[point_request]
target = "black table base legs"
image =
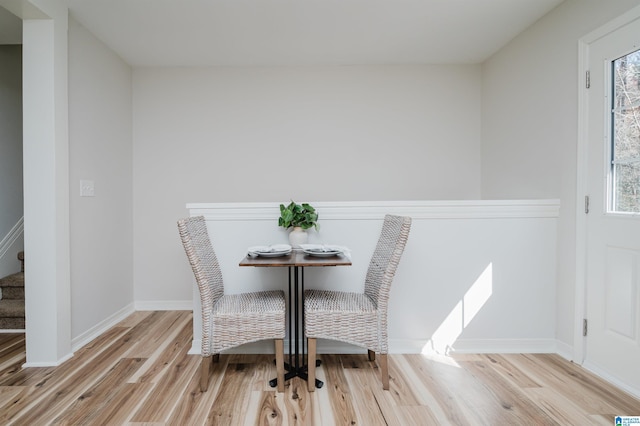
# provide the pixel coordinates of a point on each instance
(296, 367)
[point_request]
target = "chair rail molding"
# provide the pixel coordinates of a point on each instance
(476, 275)
(374, 210)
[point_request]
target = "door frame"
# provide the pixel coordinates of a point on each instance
(580, 300)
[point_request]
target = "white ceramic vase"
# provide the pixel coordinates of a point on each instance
(298, 236)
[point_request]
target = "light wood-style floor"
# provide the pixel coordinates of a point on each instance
(139, 372)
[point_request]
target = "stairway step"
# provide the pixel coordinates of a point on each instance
(12, 314)
(13, 280)
(12, 324)
(13, 293)
(11, 308)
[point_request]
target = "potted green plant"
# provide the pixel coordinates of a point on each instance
(300, 217)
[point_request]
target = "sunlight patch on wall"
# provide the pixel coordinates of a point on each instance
(462, 314)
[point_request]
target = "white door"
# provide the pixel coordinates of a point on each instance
(613, 221)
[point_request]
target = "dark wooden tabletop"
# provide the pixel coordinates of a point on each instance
(295, 258)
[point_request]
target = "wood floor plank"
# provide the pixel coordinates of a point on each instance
(400, 388)
(416, 416)
(157, 336)
(366, 404)
(124, 403)
(503, 367)
(103, 354)
(40, 376)
(230, 405)
(161, 358)
(557, 406)
(11, 356)
(167, 392)
(516, 407)
(589, 402)
(338, 388)
(602, 420)
(104, 383)
(36, 376)
(17, 405)
(592, 384)
(396, 410)
(355, 361)
(9, 393)
(9, 341)
(84, 409)
(264, 410)
(137, 336)
(388, 405)
(7, 338)
(426, 387)
(321, 409)
(134, 319)
(195, 405)
(12, 362)
(298, 403)
(264, 371)
(98, 344)
(60, 395)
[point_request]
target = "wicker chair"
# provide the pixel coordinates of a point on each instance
(230, 320)
(359, 318)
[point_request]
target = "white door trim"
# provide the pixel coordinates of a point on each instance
(581, 179)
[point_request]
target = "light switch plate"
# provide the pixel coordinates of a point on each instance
(87, 188)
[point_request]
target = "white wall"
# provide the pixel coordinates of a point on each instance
(100, 149)
(529, 124)
(475, 276)
(11, 200)
(46, 179)
(307, 133)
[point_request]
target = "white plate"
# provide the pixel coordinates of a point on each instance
(270, 251)
(321, 252)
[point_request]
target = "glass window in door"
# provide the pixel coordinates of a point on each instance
(625, 134)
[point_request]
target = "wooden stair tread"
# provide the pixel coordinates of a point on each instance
(13, 280)
(11, 308)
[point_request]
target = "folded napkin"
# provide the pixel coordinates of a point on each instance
(326, 247)
(275, 248)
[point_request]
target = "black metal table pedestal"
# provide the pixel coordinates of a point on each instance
(296, 367)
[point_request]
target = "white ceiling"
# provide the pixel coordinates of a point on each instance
(306, 32)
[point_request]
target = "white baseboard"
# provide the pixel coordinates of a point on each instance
(564, 350)
(164, 305)
(11, 331)
(196, 347)
(101, 327)
(611, 379)
(49, 364)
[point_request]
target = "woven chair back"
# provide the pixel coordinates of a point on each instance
(385, 259)
(203, 260)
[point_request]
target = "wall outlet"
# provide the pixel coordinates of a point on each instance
(87, 188)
